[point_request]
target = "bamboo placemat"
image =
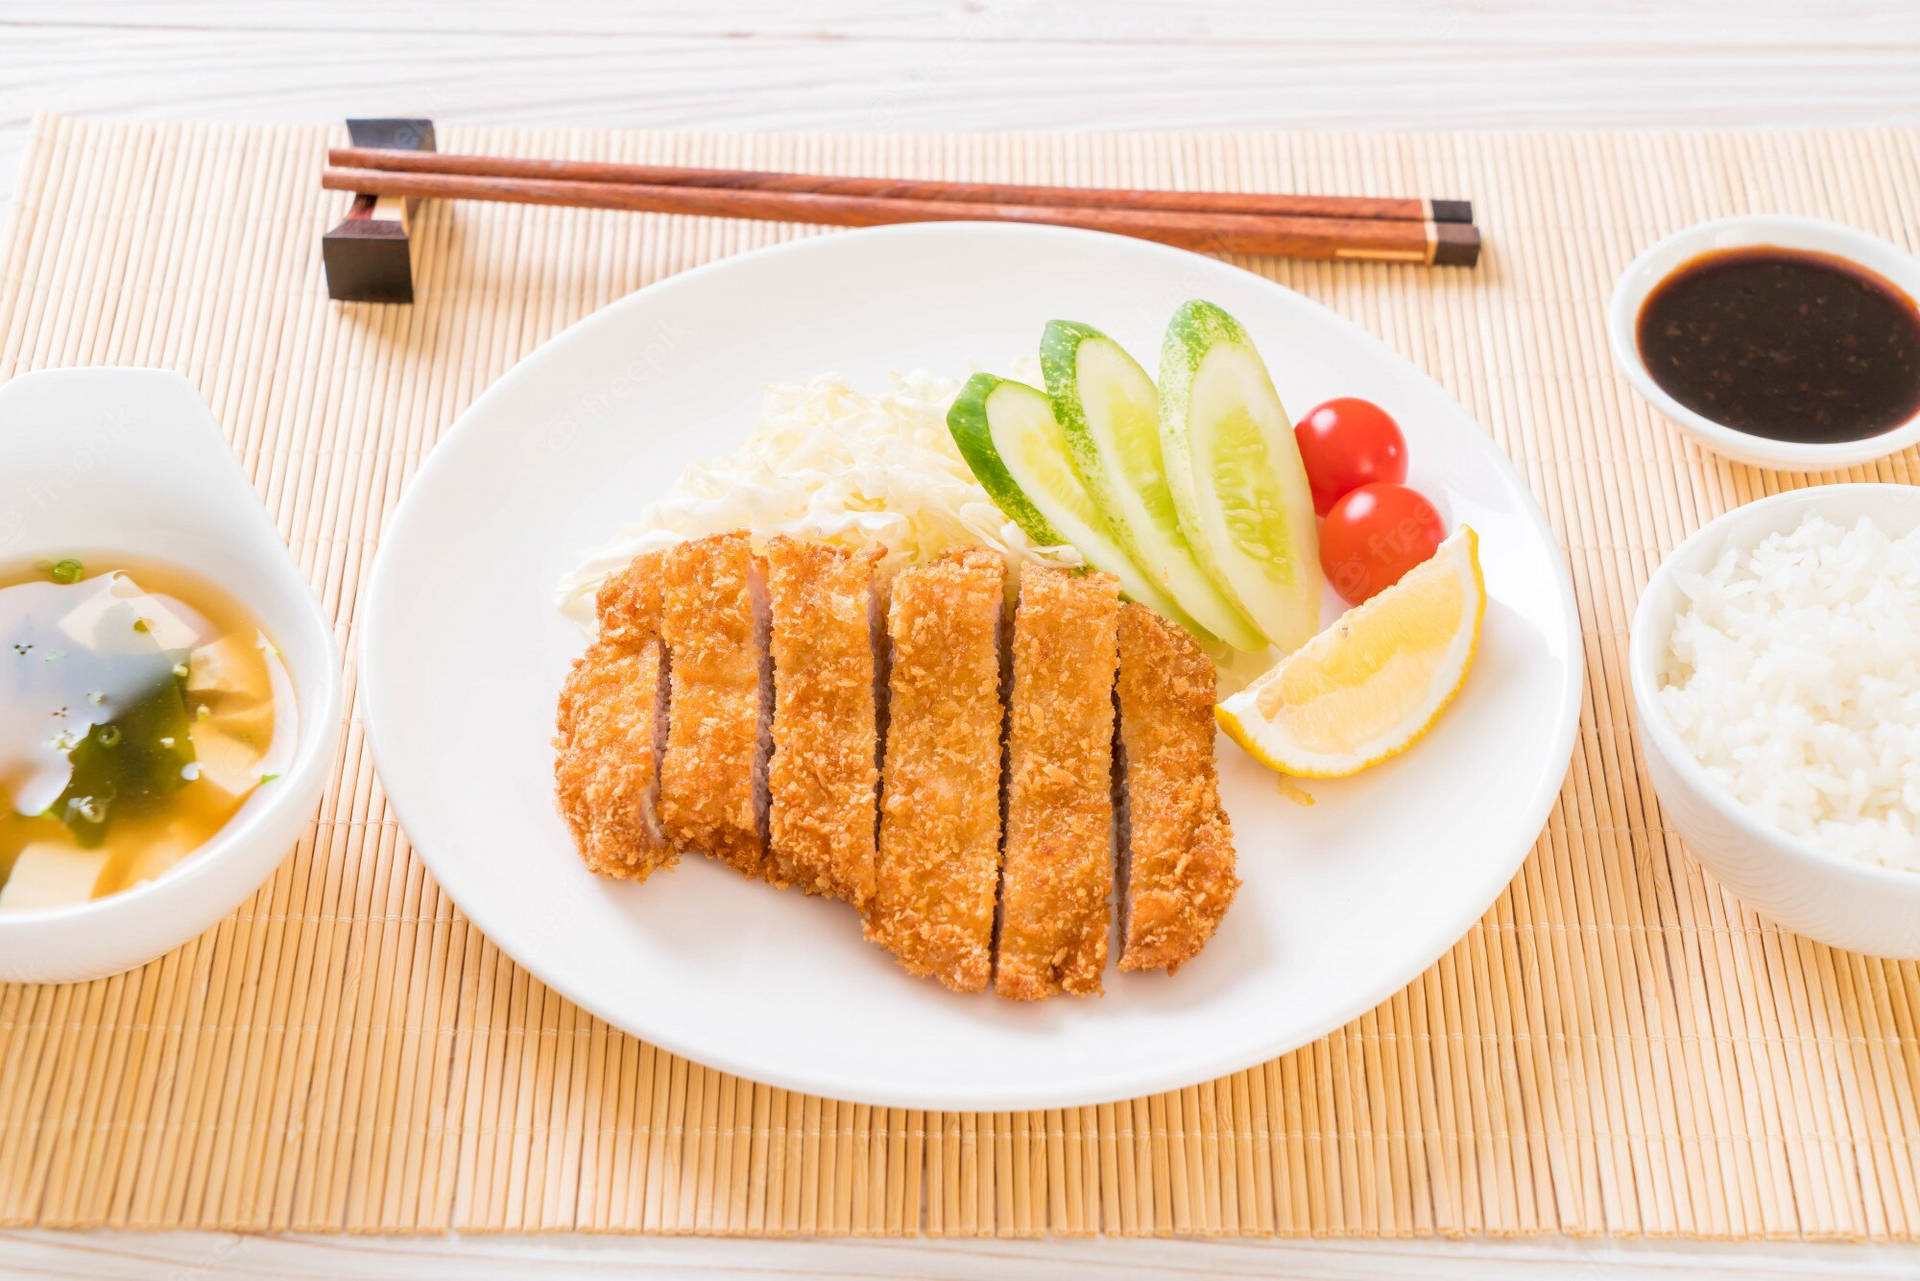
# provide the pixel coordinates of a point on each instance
(1616, 1047)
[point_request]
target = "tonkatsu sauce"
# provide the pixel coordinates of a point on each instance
(1784, 343)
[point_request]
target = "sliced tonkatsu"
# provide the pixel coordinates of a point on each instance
(978, 783)
(611, 730)
(1057, 880)
(1177, 862)
(822, 781)
(628, 603)
(713, 781)
(939, 856)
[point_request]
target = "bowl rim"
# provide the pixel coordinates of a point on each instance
(1657, 728)
(1881, 258)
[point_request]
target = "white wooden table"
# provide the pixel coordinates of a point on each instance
(953, 64)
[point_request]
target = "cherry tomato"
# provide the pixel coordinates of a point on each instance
(1347, 443)
(1374, 535)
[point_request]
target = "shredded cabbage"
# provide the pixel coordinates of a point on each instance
(829, 462)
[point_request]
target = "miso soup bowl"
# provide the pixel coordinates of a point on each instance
(105, 461)
(1895, 266)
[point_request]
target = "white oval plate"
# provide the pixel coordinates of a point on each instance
(462, 653)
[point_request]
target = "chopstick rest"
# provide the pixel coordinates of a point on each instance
(368, 257)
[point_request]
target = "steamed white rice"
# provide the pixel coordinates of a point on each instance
(1793, 674)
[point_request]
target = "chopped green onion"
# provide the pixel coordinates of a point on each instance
(67, 571)
(107, 735)
(268, 778)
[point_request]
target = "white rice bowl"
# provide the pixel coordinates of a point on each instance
(1793, 676)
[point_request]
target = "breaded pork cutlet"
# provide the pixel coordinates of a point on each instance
(939, 858)
(823, 779)
(714, 621)
(1057, 876)
(1177, 855)
(628, 603)
(611, 727)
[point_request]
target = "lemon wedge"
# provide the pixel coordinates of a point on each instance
(1370, 685)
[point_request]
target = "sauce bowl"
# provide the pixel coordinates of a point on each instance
(1858, 906)
(130, 460)
(1639, 280)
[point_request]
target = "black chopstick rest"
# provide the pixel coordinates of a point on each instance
(368, 257)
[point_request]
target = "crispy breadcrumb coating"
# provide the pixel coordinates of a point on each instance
(1180, 878)
(1056, 882)
(628, 602)
(637, 780)
(824, 776)
(712, 781)
(607, 749)
(939, 858)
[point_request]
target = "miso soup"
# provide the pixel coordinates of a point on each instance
(139, 708)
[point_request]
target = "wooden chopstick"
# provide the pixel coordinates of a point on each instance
(1370, 239)
(1402, 209)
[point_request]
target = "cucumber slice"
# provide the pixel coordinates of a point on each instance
(1235, 473)
(1109, 410)
(1007, 433)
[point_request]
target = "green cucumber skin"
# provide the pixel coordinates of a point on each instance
(1196, 328)
(1192, 331)
(967, 422)
(1060, 364)
(1060, 346)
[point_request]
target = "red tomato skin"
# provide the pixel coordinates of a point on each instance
(1374, 535)
(1348, 442)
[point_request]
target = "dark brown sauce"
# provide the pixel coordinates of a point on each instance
(1785, 344)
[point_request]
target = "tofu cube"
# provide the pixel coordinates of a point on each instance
(225, 667)
(105, 619)
(102, 620)
(154, 859)
(250, 724)
(49, 875)
(167, 627)
(224, 762)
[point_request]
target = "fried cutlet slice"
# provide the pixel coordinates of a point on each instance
(611, 729)
(1177, 858)
(939, 858)
(1056, 880)
(824, 774)
(628, 603)
(713, 782)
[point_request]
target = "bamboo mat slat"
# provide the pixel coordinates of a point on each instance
(1617, 1046)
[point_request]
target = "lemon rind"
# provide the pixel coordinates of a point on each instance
(1235, 726)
